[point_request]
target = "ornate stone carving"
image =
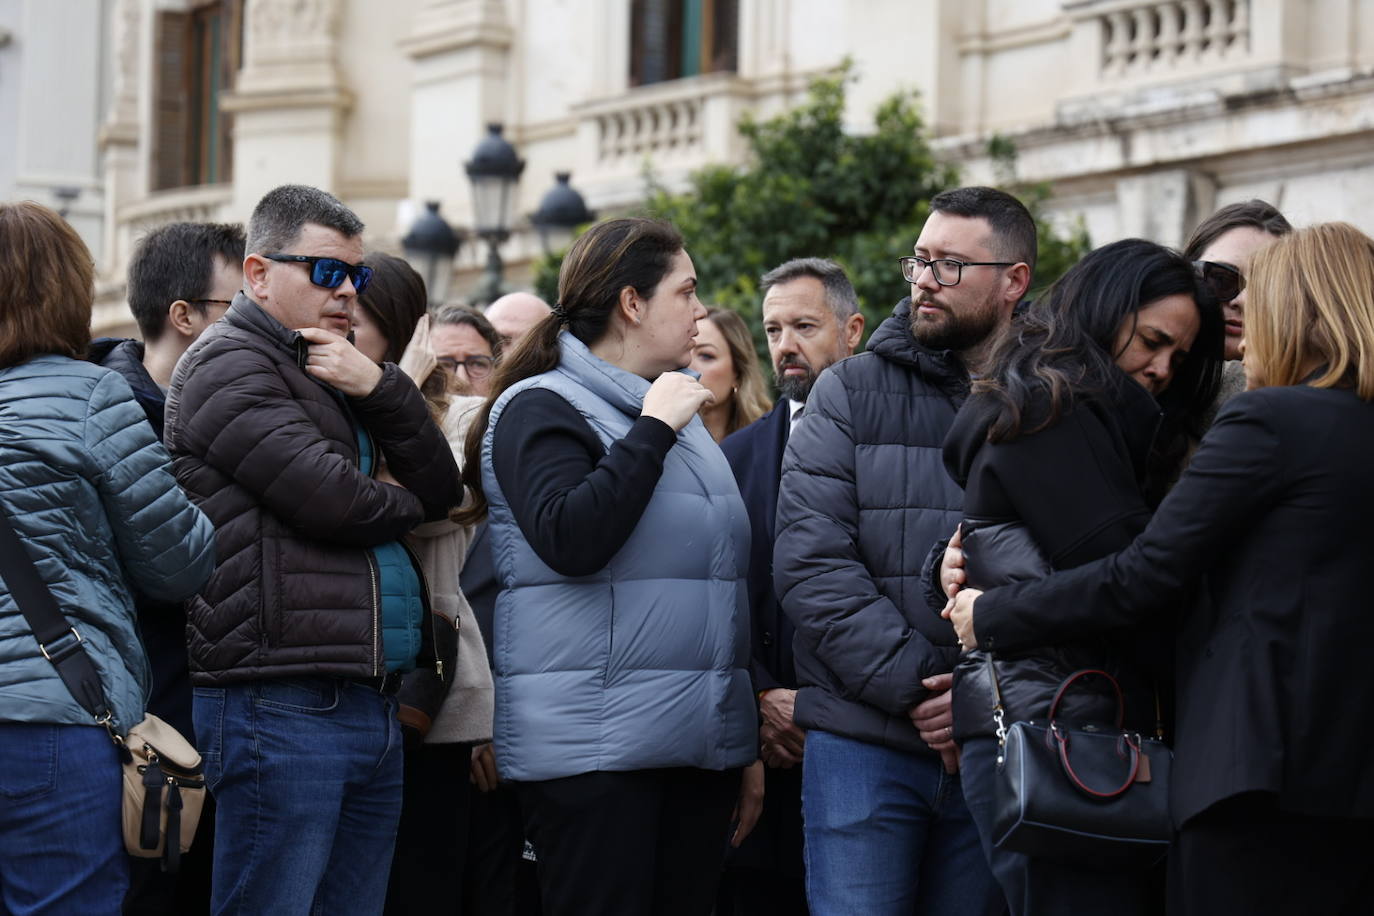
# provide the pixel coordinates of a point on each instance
(291, 30)
(121, 121)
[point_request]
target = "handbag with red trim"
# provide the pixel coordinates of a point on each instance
(1083, 795)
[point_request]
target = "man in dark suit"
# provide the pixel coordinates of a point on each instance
(811, 319)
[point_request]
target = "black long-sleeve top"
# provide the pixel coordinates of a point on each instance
(576, 501)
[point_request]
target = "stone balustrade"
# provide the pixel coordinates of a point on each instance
(1140, 39)
(205, 203)
(667, 128)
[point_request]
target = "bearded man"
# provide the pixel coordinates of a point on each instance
(864, 496)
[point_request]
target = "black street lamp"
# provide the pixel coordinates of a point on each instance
(494, 171)
(560, 212)
(430, 247)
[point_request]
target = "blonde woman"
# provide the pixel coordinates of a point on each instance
(1273, 783)
(724, 356)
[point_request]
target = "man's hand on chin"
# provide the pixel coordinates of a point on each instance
(335, 361)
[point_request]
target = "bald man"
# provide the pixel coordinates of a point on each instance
(514, 314)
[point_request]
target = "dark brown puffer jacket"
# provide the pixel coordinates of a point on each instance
(269, 454)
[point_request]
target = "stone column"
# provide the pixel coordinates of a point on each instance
(289, 99)
(119, 134)
(460, 51)
(1165, 205)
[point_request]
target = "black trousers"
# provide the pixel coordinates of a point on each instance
(1244, 855)
(627, 844)
(432, 838)
(497, 879)
(766, 876)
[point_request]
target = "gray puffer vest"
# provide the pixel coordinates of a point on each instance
(643, 664)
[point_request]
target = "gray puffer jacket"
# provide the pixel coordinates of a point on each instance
(864, 494)
(88, 490)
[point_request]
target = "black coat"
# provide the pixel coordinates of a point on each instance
(755, 455)
(1054, 499)
(863, 496)
(1276, 692)
(161, 624)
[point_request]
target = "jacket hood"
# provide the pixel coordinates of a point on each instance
(893, 342)
(125, 356)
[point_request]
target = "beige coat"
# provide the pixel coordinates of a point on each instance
(442, 547)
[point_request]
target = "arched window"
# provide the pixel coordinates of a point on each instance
(670, 39)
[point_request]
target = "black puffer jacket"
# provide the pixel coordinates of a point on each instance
(863, 496)
(161, 624)
(270, 455)
(1047, 500)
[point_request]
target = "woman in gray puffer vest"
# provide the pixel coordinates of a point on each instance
(88, 491)
(624, 713)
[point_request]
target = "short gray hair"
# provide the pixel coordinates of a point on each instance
(278, 218)
(456, 314)
(839, 292)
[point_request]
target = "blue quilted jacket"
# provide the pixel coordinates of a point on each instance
(88, 489)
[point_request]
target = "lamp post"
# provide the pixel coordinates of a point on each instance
(560, 212)
(430, 247)
(494, 171)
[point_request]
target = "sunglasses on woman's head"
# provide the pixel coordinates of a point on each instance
(1223, 280)
(328, 272)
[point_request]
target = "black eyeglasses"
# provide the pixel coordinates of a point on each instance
(947, 271)
(477, 367)
(190, 301)
(328, 272)
(1225, 281)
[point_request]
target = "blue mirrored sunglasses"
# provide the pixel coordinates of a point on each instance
(328, 272)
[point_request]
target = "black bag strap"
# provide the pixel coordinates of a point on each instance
(58, 640)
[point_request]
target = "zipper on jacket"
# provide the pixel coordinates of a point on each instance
(376, 615)
(426, 603)
(377, 662)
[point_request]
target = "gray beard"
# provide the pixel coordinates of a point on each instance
(796, 388)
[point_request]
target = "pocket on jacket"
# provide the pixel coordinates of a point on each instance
(301, 695)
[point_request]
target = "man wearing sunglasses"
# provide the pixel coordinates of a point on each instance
(277, 426)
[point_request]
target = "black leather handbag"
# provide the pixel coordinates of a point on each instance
(1085, 794)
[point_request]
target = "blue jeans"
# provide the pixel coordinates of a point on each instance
(887, 833)
(306, 774)
(1035, 887)
(61, 841)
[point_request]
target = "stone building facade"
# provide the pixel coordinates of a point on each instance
(1142, 114)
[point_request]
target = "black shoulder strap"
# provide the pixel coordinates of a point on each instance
(58, 640)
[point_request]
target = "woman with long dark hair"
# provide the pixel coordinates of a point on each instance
(624, 714)
(1273, 777)
(1086, 406)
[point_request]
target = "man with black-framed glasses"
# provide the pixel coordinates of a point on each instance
(181, 279)
(277, 426)
(864, 498)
